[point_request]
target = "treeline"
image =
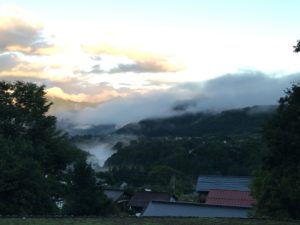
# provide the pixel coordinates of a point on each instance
(231, 122)
(41, 172)
(157, 162)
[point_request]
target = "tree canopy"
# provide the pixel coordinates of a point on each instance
(297, 47)
(277, 184)
(35, 156)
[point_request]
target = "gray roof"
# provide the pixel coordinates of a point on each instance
(206, 183)
(141, 199)
(180, 209)
(114, 195)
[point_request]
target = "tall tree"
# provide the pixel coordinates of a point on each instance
(277, 186)
(34, 155)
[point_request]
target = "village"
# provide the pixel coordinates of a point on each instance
(218, 196)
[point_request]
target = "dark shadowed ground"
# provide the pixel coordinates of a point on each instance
(141, 221)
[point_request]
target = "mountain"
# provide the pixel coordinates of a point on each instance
(231, 122)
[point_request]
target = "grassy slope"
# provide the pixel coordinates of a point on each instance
(144, 221)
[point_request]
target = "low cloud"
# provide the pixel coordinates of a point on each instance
(225, 92)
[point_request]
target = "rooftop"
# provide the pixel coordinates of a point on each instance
(230, 198)
(206, 183)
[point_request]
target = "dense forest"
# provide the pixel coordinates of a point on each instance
(181, 148)
(227, 123)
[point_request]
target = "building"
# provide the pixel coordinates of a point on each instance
(232, 183)
(140, 200)
(230, 198)
(183, 209)
(120, 197)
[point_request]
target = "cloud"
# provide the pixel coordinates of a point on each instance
(147, 66)
(225, 92)
(8, 61)
(142, 62)
(243, 89)
(123, 110)
(77, 93)
(20, 33)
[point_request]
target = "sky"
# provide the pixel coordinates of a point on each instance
(103, 58)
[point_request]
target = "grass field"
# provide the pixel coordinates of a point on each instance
(141, 221)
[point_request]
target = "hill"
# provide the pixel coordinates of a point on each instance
(227, 123)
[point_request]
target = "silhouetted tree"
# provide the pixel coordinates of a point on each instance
(34, 155)
(297, 47)
(277, 186)
(84, 197)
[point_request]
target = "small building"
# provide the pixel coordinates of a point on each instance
(120, 197)
(183, 209)
(230, 198)
(206, 183)
(140, 200)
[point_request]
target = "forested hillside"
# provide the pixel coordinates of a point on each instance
(183, 147)
(231, 122)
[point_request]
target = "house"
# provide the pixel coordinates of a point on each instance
(230, 198)
(183, 209)
(233, 183)
(120, 197)
(140, 200)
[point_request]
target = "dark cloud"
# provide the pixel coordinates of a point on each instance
(19, 35)
(8, 61)
(184, 105)
(243, 89)
(96, 58)
(96, 70)
(143, 67)
(136, 67)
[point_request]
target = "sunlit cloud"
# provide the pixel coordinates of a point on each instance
(20, 32)
(142, 62)
(101, 94)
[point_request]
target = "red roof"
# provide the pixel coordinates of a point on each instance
(230, 198)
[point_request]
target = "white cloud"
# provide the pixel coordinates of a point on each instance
(226, 92)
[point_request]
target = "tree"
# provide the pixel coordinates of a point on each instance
(34, 155)
(23, 108)
(297, 47)
(84, 197)
(277, 185)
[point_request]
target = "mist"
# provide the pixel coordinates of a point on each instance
(229, 91)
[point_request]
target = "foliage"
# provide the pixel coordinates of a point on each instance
(155, 163)
(84, 197)
(297, 47)
(277, 185)
(34, 155)
(227, 123)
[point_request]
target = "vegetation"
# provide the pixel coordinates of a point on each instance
(173, 164)
(227, 123)
(34, 155)
(277, 185)
(84, 196)
(297, 47)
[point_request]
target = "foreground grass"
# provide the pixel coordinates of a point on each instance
(141, 221)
